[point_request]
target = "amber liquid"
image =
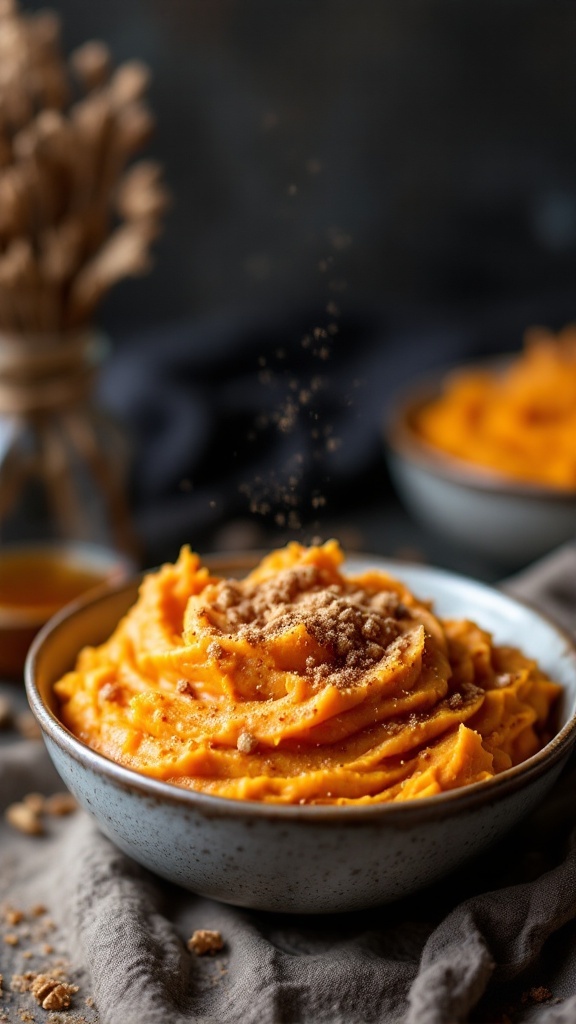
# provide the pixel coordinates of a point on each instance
(35, 582)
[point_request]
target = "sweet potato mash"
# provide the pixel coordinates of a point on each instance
(521, 422)
(301, 685)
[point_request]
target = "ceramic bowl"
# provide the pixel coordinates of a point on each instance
(486, 512)
(303, 859)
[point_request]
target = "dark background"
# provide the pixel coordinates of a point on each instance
(413, 162)
(437, 136)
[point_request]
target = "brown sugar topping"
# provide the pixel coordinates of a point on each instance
(352, 627)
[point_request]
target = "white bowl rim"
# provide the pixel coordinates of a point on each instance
(407, 813)
(403, 440)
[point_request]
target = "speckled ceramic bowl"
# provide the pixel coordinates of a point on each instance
(484, 511)
(303, 859)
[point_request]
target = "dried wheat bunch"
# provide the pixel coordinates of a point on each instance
(74, 217)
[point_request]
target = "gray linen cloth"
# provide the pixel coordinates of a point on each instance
(496, 941)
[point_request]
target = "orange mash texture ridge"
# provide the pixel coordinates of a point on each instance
(301, 685)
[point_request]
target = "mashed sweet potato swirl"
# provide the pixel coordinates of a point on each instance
(299, 684)
(520, 422)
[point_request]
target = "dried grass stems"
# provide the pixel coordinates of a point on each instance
(74, 217)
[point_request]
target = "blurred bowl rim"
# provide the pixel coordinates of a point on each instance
(409, 813)
(403, 440)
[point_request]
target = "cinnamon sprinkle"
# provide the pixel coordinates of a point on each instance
(353, 627)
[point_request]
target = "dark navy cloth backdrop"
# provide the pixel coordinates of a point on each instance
(205, 404)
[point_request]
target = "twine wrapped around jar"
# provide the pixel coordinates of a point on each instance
(41, 372)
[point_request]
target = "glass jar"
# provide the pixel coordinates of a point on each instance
(64, 522)
(62, 460)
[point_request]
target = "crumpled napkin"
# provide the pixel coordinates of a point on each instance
(496, 941)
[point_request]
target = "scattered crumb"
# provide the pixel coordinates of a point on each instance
(89, 1001)
(28, 726)
(205, 941)
(220, 973)
(51, 993)
(46, 949)
(246, 742)
(531, 997)
(11, 940)
(35, 801)
(537, 994)
(13, 916)
(59, 804)
(22, 982)
(23, 818)
(38, 910)
(26, 1017)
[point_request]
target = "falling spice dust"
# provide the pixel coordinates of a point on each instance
(282, 492)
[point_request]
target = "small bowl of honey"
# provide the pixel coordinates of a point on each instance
(37, 580)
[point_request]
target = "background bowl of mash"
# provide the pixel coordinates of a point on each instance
(497, 516)
(303, 859)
